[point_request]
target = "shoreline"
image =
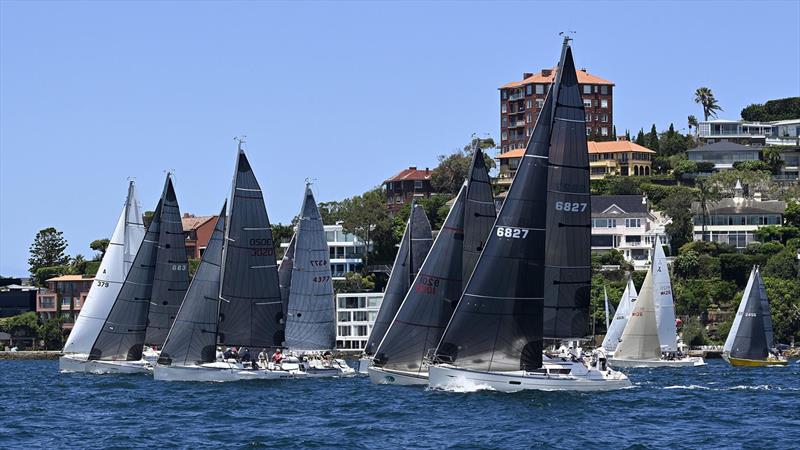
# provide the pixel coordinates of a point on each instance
(30, 355)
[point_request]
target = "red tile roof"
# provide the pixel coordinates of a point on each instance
(411, 174)
(72, 278)
(516, 153)
(190, 222)
(540, 78)
(616, 147)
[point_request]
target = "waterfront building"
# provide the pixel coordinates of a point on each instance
(724, 154)
(198, 231)
(355, 316)
(346, 251)
(625, 223)
(735, 220)
(520, 102)
(407, 184)
(63, 297)
(16, 299)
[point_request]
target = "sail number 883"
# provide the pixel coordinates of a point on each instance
(571, 206)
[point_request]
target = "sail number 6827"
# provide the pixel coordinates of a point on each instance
(571, 207)
(510, 232)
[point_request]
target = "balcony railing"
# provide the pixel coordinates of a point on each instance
(516, 96)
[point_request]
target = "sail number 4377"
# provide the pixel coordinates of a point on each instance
(571, 206)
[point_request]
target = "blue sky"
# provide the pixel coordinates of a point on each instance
(92, 93)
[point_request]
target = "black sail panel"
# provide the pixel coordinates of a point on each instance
(416, 242)
(192, 338)
(497, 324)
(430, 302)
(122, 336)
(251, 312)
(171, 277)
(479, 214)
(765, 313)
(568, 248)
(285, 273)
(751, 339)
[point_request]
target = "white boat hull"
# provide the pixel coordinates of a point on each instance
(382, 376)
(72, 364)
(637, 363)
(447, 377)
(337, 368)
(220, 372)
(118, 367)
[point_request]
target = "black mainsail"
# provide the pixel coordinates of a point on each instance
(123, 332)
(251, 312)
(285, 273)
(499, 322)
(426, 309)
(416, 242)
(193, 336)
(171, 277)
(310, 318)
(479, 213)
(749, 337)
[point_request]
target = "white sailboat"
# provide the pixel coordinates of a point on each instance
(532, 279)
(648, 341)
(234, 298)
(117, 261)
(611, 340)
(749, 341)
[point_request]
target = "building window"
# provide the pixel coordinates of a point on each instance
(374, 302)
(47, 302)
(540, 89)
(398, 199)
(587, 103)
(604, 117)
(504, 107)
(344, 330)
(604, 223)
(587, 88)
(604, 103)
(527, 131)
(539, 103)
(360, 316)
(66, 302)
(77, 303)
(343, 316)
(528, 89)
(504, 136)
(504, 94)
(528, 118)
(588, 131)
(529, 104)
(588, 117)
(633, 223)
(604, 90)
(418, 184)
(361, 330)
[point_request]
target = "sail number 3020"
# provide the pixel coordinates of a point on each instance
(571, 207)
(511, 232)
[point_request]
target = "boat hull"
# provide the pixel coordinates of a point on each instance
(118, 367)
(637, 363)
(444, 376)
(741, 362)
(379, 375)
(72, 364)
(219, 372)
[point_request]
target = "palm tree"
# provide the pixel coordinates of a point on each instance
(692, 120)
(706, 194)
(705, 97)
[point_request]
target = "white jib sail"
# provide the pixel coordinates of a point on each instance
(737, 320)
(665, 308)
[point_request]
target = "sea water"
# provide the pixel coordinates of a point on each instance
(716, 406)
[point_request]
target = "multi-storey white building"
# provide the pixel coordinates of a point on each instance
(624, 223)
(346, 251)
(355, 315)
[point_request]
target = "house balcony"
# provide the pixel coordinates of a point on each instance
(516, 124)
(517, 95)
(785, 140)
(504, 178)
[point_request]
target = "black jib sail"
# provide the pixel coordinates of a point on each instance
(310, 318)
(479, 214)
(193, 336)
(430, 302)
(285, 273)
(414, 246)
(498, 323)
(251, 312)
(171, 277)
(122, 336)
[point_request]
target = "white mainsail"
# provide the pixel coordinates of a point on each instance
(624, 309)
(116, 263)
(664, 306)
(737, 319)
(640, 339)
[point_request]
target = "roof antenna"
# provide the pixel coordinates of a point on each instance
(310, 181)
(240, 140)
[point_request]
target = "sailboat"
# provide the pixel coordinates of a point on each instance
(414, 246)
(649, 338)
(311, 317)
(234, 299)
(418, 325)
(532, 279)
(624, 308)
(159, 275)
(111, 274)
(749, 341)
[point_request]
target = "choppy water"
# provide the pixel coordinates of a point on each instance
(716, 406)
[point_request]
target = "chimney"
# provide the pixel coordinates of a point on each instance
(583, 69)
(546, 72)
(412, 167)
(187, 215)
(526, 75)
(427, 170)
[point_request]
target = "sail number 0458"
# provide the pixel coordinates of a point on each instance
(511, 232)
(571, 206)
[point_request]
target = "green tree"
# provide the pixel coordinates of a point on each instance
(672, 142)
(355, 282)
(704, 97)
(779, 109)
(99, 245)
(784, 304)
(692, 121)
(42, 274)
(687, 265)
(640, 139)
(453, 169)
(706, 194)
(147, 217)
(693, 332)
(684, 167)
(47, 250)
(366, 216)
(22, 325)
(51, 333)
(792, 214)
(772, 158)
(78, 265)
(651, 140)
(677, 206)
(782, 265)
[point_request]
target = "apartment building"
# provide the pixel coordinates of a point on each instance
(355, 316)
(521, 101)
(198, 230)
(407, 184)
(623, 158)
(346, 251)
(63, 298)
